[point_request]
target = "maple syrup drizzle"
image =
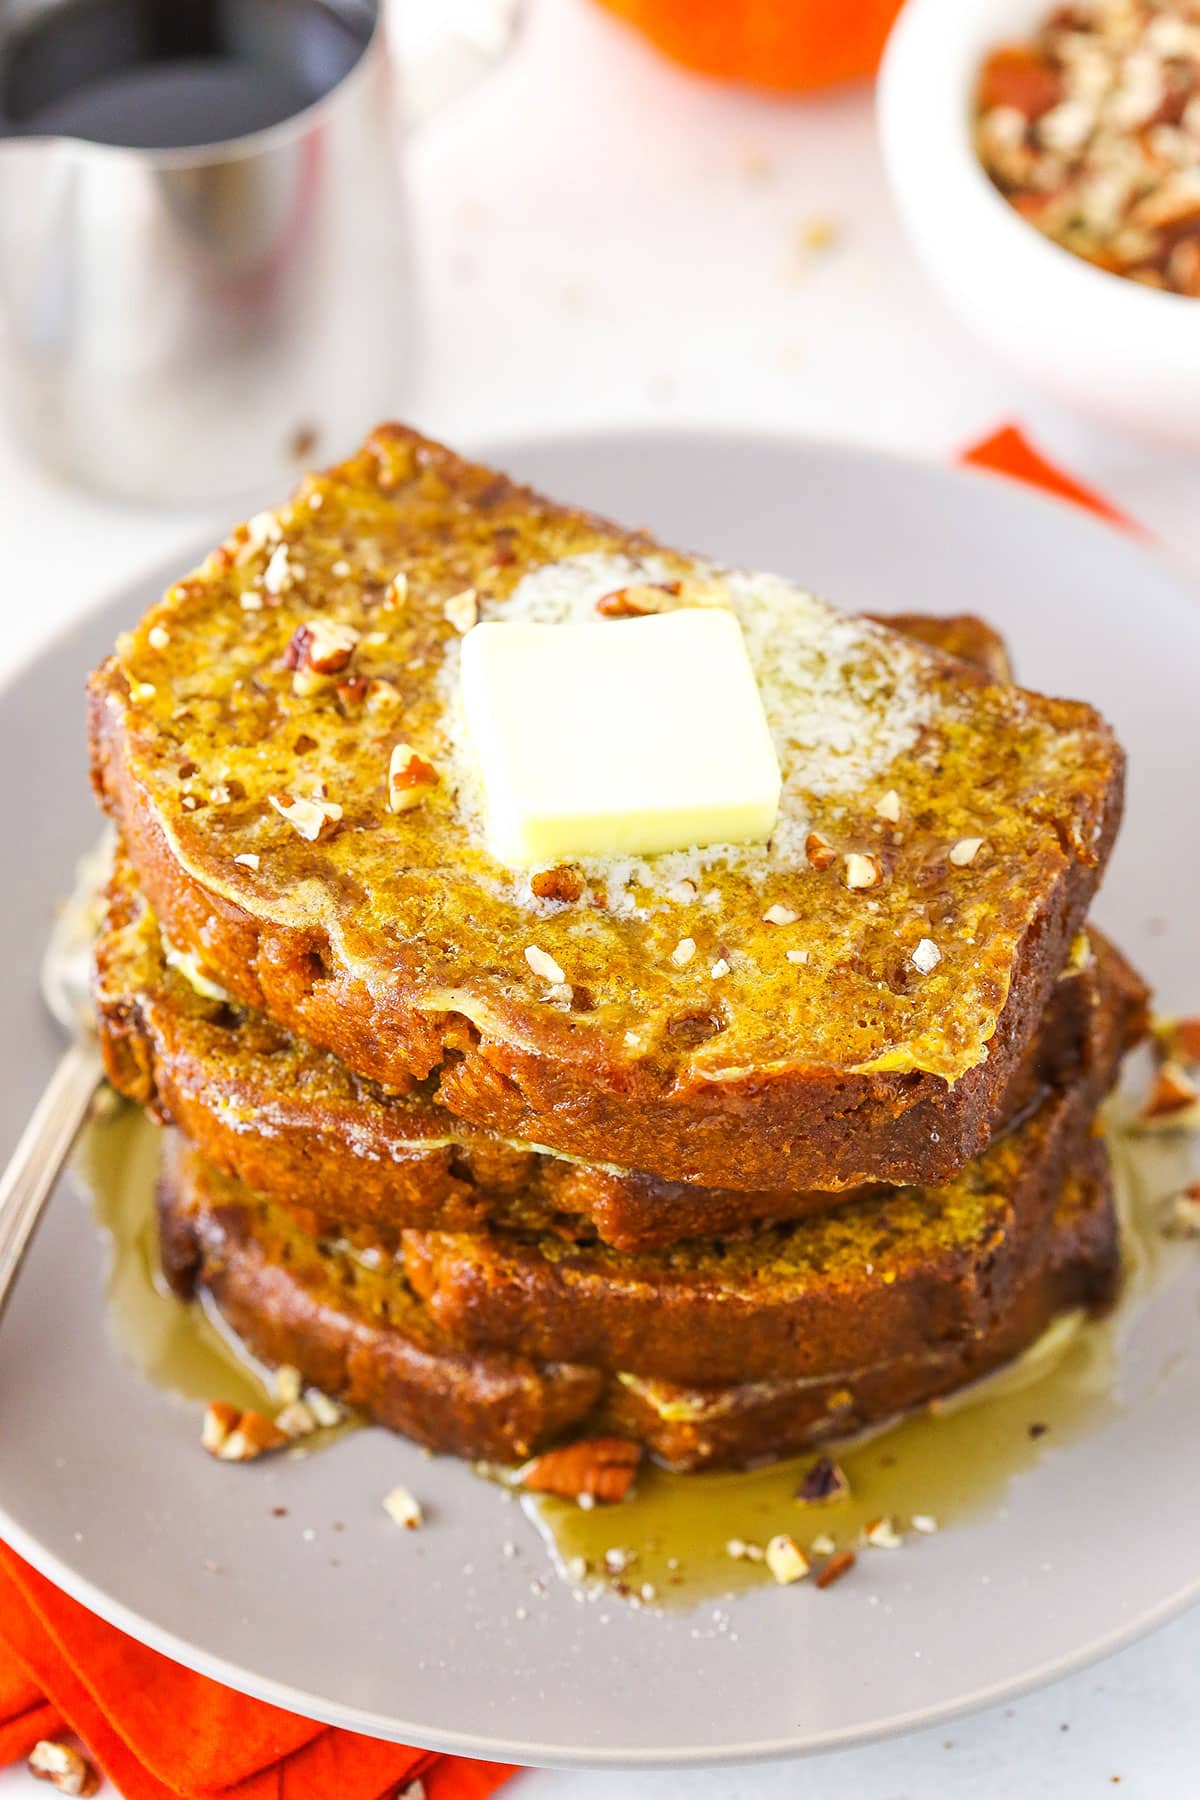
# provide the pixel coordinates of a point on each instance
(667, 1543)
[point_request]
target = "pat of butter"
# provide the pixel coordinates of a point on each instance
(624, 737)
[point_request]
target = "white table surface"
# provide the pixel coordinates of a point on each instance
(603, 241)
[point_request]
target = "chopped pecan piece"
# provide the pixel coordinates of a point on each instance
(1181, 1215)
(562, 883)
(263, 529)
(322, 645)
(63, 1767)
(786, 1560)
(1016, 76)
(381, 695)
(1173, 1094)
(926, 957)
(824, 1480)
(296, 1419)
(234, 1436)
(819, 851)
(308, 817)
(1089, 131)
(638, 600)
(219, 1420)
(601, 1469)
(325, 1410)
(279, 572)
(839, 1564)
(863, 871)
(404, 1509)
(410, 778)
(543, 964)
(1178, 1039)
(462, 611)
(289, 1383)
(641, 598)
(742, 1551)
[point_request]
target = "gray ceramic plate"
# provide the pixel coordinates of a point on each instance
(102, 1484)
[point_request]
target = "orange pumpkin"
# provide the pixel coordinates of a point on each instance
(787, 45)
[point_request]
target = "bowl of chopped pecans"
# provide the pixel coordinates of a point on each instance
(1045, 160)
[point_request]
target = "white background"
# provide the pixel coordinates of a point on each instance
(603, 241)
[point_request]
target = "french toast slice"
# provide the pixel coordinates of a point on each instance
(355, 1329)
(294, 1122)
(964, 635)
(395, 940)
(906, 1271)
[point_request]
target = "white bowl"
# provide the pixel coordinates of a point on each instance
(1128, 353)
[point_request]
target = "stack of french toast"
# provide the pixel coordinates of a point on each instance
(720, 1152)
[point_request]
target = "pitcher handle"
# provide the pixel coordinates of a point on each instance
(441, 51)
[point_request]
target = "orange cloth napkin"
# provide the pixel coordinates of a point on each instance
(161, 1732)
(1009, 452)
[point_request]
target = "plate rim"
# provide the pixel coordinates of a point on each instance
(515, 449)
(513, 446)
(533, 1756)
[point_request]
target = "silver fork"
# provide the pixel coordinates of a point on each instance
(59, 1115)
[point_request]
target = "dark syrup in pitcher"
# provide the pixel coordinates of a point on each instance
(169, 74)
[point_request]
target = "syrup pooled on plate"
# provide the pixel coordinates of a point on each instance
(178, 1348)
(668, 1542)
(945, 1464)
(184, 1348)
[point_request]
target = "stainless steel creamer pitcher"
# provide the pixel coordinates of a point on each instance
(204, 280)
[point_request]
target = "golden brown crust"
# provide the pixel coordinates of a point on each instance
(293, 1121)
(399, 945)
(964, 635)
(365, 1340)
(810, 1129)
(694, 1428)
(913, 1271)
(369, 1343)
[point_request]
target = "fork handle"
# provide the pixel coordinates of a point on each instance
(38, 1159)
